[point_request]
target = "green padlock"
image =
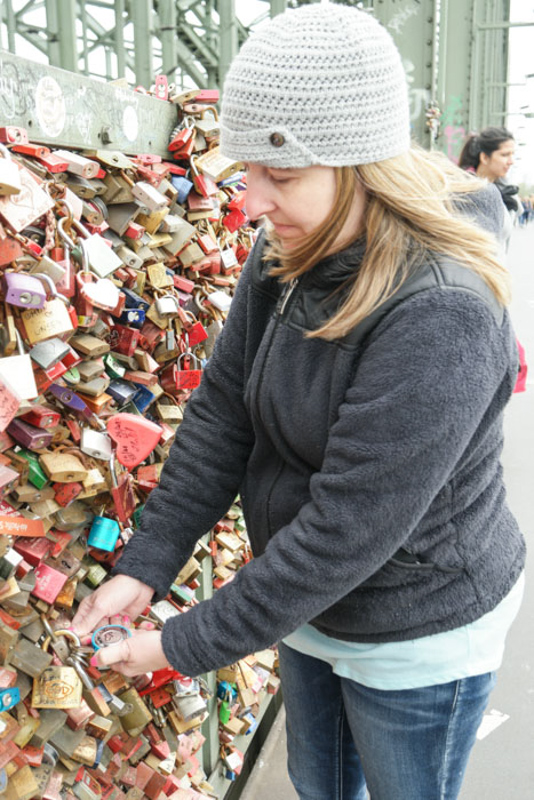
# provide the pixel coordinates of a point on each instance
(224, 712)
(113, 368)
(36, 474)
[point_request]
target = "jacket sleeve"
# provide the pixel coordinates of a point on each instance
(205, 467)
(423, 386)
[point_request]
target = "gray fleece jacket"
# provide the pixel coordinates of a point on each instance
(368, 467)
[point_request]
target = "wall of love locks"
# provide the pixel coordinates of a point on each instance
(116, 274)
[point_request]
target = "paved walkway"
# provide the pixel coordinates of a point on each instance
(502, 764)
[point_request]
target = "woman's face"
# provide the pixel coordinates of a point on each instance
(297, 201)
(498, 163)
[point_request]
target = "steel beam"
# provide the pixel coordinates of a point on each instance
(227, 37)
(68, 51)
(412, 23)
(168, 23)
(278, 7)
(119, 39)
(141, 12)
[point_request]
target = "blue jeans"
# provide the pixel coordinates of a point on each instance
(345, 739)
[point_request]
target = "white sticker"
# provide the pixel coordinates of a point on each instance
(50, 106)
(491, 722)
(130, 123)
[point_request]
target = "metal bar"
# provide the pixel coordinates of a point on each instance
(278, 7)
(187, 62)
(211, 38)
(34, 40)
(68, 56)
(10, 23)
(141, 12)
(28, 6)
(227, 37)
(168, 24)
(119, 39)
(85, 53)
(135, 122)
(206, 56)
(475, 63)
(487, 26)
(52, 25)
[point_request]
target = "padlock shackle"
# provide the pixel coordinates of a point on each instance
(63, 233)
(213, 111)
(113, 470)
(52, 286)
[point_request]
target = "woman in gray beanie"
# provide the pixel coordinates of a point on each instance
(354, 400)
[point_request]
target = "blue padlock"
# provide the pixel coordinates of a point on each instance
(134, 300)
(182, 186)
(121, 391)
(143, 398)
(134, 317)
(9, 698)
(104, 534)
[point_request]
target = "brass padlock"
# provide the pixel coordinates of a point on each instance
(62, 467)
(9, 174)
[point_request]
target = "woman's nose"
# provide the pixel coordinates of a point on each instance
(258, 202)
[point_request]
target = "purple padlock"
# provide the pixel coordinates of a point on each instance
(22, 290)
(29, 435)
(68, 398)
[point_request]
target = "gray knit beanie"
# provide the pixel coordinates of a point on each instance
(322, 84)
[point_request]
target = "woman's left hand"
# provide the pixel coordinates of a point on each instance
(140, 653)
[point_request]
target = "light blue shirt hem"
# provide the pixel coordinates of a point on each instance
(474, 649)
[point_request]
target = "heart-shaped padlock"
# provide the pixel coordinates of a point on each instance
(102, 293)
(135, 436)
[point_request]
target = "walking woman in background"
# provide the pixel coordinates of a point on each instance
(490, 154)
(354, 400)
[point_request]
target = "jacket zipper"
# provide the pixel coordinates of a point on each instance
(291, 286)
(281, 306)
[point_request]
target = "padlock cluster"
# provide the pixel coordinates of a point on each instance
(116, 275)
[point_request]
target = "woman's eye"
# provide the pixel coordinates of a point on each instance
(280, 178)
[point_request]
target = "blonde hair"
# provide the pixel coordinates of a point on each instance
(410, 212)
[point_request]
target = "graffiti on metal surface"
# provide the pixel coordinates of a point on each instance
(453, 130)
(401, 17)
(13, 97)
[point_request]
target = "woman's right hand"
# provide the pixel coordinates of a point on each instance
(121, 595)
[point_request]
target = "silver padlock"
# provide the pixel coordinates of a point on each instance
(18, 372)
(149, 196)
(167, 306)
(9, 174)
(129, 258)
(49, 352)
(96, 444)
(101, 258)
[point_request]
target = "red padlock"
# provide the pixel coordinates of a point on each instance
(65, 493)
(84, 308)
(204, 185)
(42, 417)
(234, 220)
(195, 334)
(185, 152)
(124, 340)
(122, 493)
(181, 139)
(186, 377)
